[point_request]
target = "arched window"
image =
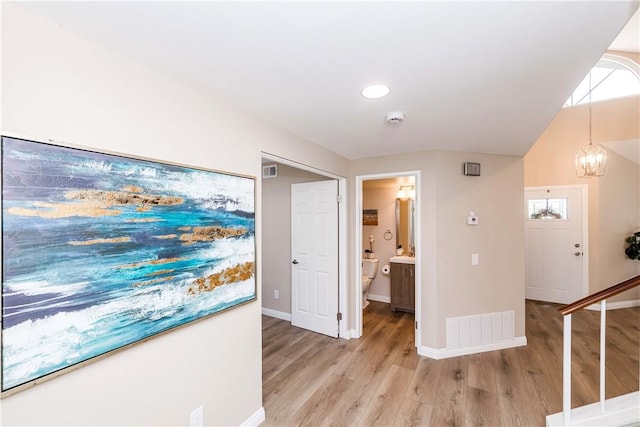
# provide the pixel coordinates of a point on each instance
(612, 77)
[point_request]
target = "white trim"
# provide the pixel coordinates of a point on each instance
(342, 259)
(342, 233)
(256, 419)
(628, 63)
(277, 314)
(616, 305)
(348, 334)
(624, 62)
(301, 166)
(585, 225)
(620, 411)
(379, 298)
(359, 179)
(444, 353)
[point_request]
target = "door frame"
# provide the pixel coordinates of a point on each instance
(585, 224)
(357, 279)
(342, 233)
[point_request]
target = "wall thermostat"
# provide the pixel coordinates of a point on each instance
(472, 219)
(471, 169)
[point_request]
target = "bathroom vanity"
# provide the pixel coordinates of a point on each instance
(403, 288)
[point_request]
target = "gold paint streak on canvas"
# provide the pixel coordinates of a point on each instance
(132, 189)
(209, 234)
(97, 203)
(166, 236)
(187, 228)
(237, 273)
(145, 220)
(143, 208)
(160, 272)
(152, 282)
(121, 198)
(64, 210)
(99, 241)
(152, 262)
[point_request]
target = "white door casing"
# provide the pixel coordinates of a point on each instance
(314, 256)
(556, 248)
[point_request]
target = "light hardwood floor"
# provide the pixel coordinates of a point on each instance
(313, 380)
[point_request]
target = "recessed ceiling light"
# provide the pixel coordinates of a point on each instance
(375, 91)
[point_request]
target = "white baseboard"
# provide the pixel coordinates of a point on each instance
(620, 411)
(444, 353)
(256, 419)
(616, 305)
(379, 298)
(277, 314)
(347, 334)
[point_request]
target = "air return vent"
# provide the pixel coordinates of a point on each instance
(269, 171)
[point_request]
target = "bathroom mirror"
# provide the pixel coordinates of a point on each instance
(404, 225)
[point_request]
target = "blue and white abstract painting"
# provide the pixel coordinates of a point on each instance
(100, 251)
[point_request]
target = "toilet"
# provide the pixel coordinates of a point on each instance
(369, 271)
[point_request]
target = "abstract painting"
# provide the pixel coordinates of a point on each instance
(100, 251)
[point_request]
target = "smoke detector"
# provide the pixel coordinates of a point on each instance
(394, 118)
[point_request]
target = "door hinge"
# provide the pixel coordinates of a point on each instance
(339, 316)
(339, 198)
(416, 324)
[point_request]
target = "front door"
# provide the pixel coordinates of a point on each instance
(314, 256)
(554, 244)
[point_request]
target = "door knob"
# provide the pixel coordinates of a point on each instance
(295, 261)
(577, 253)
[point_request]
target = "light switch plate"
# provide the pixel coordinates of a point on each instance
(472, 219)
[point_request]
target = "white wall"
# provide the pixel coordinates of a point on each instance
(450, 285)
(58, 85)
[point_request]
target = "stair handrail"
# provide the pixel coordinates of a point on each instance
(566, 311)
(600, 295)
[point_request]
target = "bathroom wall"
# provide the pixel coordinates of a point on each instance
(380, 195)
(276, 235)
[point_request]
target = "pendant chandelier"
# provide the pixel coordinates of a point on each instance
(591, 160)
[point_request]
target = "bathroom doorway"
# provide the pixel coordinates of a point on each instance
(382, 227)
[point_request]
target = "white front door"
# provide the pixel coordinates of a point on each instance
(314, 256)
(555, 245)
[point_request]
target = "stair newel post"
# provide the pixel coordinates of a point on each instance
(566, 370)
(603, 342)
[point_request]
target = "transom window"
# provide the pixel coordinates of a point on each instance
(612, 77)
(547, 209)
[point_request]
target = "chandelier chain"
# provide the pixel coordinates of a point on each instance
(590, 139)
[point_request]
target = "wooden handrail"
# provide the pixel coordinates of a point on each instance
(601, 295)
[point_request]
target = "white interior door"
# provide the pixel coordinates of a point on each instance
(314, 256)
(554, 244)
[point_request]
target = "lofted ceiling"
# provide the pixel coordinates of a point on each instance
(471, 76)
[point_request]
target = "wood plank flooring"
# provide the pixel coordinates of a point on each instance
(379, 380)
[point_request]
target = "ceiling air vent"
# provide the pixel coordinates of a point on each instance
(269, 171)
